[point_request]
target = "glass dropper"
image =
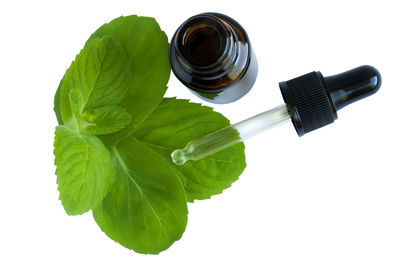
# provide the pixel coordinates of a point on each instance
(311, 102)
(231, 135)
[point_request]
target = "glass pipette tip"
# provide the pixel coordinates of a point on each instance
(231, 135)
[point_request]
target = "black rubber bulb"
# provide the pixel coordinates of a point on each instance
(353, 85)
(313, 100)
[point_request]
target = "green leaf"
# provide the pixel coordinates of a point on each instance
(99, 76)
(146, 47)
(84, 170)
(146, 208)
(77, 103)
(105, 120)
(57, 100)
(176, 122)
(113, 149)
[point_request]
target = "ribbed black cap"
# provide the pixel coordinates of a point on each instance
(308, 102)
(312, 99)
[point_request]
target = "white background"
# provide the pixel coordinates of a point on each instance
(331, 198)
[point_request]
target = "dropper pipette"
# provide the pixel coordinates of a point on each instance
(311, 102)
(231, 135)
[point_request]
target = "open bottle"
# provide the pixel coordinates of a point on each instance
(211, 54)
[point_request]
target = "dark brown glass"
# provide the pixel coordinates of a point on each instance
(210, 53)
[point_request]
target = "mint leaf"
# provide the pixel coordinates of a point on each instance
(117, 133)
(99, 75)
(76, 102)
(84, 167)
(172, 125)
(84, 170)
(146, 47)
(146, 208)
(105, 120)
(57, 101)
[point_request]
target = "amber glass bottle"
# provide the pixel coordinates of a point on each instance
(210, 53)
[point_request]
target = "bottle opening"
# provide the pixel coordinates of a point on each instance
(204, 46)
(204, 41)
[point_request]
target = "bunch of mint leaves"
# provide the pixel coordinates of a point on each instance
(116, 133)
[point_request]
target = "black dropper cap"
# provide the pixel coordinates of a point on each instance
(313, 100)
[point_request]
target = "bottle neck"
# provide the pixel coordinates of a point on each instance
(206, 46)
